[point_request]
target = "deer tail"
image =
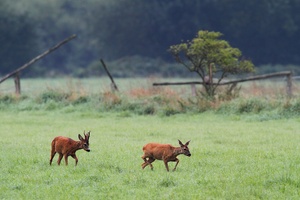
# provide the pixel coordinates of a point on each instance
(53, 146)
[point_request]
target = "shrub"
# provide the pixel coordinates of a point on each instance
(52, 95)
(168, 111)
(7, 99)
(251, 105)
(290, 108)
(241, 106)
(81, 100)
(110, 100)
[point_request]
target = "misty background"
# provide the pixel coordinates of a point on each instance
(133, 36)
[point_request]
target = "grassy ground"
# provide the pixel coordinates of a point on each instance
(233, 156)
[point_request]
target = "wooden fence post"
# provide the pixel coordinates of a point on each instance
(289, 85)
(17, 83)
(113, 84)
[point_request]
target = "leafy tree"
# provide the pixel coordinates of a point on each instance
(209, 57)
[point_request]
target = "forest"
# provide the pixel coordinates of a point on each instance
(134, 36)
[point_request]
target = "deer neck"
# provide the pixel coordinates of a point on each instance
(177, 151)
(76, 147)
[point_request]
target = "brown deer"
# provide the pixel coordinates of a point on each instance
(67, 147)
(164, 152)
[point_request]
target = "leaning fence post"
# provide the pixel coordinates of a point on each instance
(113, 84)
(289, 85)
(17, 83)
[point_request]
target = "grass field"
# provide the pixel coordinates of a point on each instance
(233, 156)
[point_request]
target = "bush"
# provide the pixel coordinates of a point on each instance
(244, 106)
(52, 96)
(291, 108)
(7, 99)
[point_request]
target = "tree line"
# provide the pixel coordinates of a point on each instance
(266, 31)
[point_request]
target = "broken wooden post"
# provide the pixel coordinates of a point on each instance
(113, 84)
(289, 85)
(17, 83)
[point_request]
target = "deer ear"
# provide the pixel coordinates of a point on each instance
(187, 143)
(80, 137)
(180, 143)
(88, 134)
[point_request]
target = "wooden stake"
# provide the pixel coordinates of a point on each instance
(17, 83)
(289, 85)
(114, 86)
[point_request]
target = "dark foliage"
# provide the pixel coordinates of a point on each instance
(266, 31)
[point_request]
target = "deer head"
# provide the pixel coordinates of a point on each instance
(184, 148)
(85, 141)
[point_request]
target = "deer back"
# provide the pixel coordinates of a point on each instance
(166, 151)
(65, 145)
(158, 151)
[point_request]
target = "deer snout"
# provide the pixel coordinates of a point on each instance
(188, 154)
(86, 147)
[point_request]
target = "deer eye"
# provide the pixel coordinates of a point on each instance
(85, 145)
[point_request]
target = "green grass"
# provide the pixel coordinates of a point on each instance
(233, 156)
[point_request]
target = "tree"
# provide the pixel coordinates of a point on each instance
(210, 58)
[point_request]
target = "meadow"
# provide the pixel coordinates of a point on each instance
(235, 155)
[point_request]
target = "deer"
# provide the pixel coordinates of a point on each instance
(66, 147)
(165, 152)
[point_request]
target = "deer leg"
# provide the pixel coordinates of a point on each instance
(147, 162)
(59, 158)
(76, 159)
(166, 164)
(144, 157)
(151, 160)
(66, 159)
(144, 165)
(177, 161)
(52, 156)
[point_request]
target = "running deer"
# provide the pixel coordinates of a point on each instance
(67, 147)
(164, 152)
